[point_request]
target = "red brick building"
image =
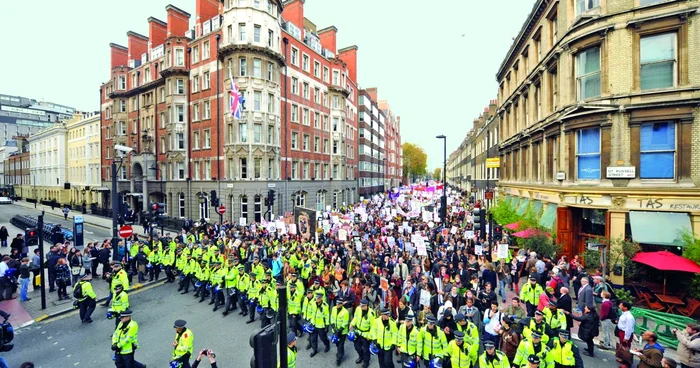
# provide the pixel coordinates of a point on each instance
(298, 129)
(393, 172)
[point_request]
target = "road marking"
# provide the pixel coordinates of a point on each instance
(88, 232)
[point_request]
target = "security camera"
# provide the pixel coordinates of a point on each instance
(123, 149)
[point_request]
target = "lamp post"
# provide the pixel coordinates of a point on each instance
(443, 200)
(218, 123)
(162, 193)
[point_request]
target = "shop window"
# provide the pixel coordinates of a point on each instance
(588, 154)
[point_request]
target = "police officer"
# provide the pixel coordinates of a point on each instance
(538, 324)
(253, 296)
(407, 340)
(319, 317)
(294, 298)
(120, 302)
(361, 324)
(530, 295)
(243, 286)
(433, 342)
(461, 354)
(383, 332)
(291, 350)
(564, 352)
(471, 332)
(183, 344)
(187, 273)
(532, 346)
(533, 361)
(340, 322)
(87, 302)
(118, 276)
(492, 358)
(232, 279)
(125, 341)
(217, 289)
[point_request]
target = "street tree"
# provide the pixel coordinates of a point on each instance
(437, 173)
(415, 161)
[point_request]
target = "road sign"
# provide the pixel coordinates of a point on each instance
(271, 185)
(125, 231)
(489, 195)
(221, 210)
(493, 163)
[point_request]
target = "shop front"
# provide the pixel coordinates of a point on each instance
(579, 218)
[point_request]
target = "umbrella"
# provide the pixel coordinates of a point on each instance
(529, 233)
(514, 226)
(666, 261)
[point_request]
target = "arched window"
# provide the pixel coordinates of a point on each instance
(181, 205)
(244, 207)
(204, 207)
(258, 208)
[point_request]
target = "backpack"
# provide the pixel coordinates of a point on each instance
(78, 290)
(614, 313)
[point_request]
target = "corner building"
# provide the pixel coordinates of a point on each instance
(599, 120)
(169, 95)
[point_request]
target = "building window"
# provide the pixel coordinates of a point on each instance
(305, 62)
(317, 120)
(588, 153)
(336, 78)
(270, 38)
(295, 113)
(583, 6)
(256, 33)
(243, 163)
(207, 139)
(657, 151)
(270, 168)
(257, 133)
(243, 132)
(270, 71)
(205, 50)
(181, 205)
(195, 84)
(588, 73)
(207, 110)
(257, 100)
(305, 90)
(180, 140)
(258, 208)
(179, 57)
(305, 171)
(294, 169)
(180, 86)
(204, 207)
(295, 140)
(180, 112)
(295, 56)
(195, 55)
(295, 86)
(244, 207)
(325, 74)
(317, 144)
(195, 112)
(243, 67)
(121, 82)
(206, 81)
(305, 143)
(270, 134)
(241, 32)
(305, 117)
(658, 61)
(257, 167)
(195, 139)
(317, 69)
(300, 199)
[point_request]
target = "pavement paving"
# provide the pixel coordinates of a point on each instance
(65, 342)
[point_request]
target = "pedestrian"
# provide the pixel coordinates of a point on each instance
(688, 345)
(585, 295)
(52, 261)
(209, 354)
(291, 350)
(103, 257)
(530, 293)
(87, 259)
(319, 318)
(564, 351)
(76, 266)
(588, 328)
(36, 269)
(183, 346)
(652, 353)
(87, 299)
(65, 212)
(4, 234)
(24, 278)
(492, 358)
(125, 341)
(17, 243)
(667, 362)
(625, 333)
(361, 324)
(565, 303)
(63, 278)
(120, 302)
(608, 319)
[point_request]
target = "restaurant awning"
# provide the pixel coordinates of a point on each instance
(100, 189)
(536, 208)
(522, 207)
(507, 199)
(660, 228)
(548, 216)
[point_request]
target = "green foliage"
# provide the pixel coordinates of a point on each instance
(503, 214)
(437, 173)
(415, 160)
(592, 258)
(624, 295)
(691, 250)
(541, 243)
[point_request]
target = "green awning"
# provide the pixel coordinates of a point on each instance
(548, 216)
(522, 207)
(507, 199)
(514, 203)
(660, 228)
(536, 208)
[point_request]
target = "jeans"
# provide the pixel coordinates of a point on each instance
(608, 328)
(23, 286)
(503, 283)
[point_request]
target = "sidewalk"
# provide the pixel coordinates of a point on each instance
(28, 312)
(98, 221)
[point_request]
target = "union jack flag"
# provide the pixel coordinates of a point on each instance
(236, 100)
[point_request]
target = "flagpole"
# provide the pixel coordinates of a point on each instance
(218, 129)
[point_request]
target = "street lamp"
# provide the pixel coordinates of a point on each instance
(443, 200)
(162, 193)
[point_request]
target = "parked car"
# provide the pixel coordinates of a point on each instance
(5, 200)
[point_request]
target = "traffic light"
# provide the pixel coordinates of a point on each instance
(214, 199)
(31, 236)
(479, 218)
(264, 344)
(152, 208)
(160, 212)
(270, 199)
(497, 233)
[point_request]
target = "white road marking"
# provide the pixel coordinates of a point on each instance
(88, 232)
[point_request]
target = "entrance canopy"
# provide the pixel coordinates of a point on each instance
(661, 228)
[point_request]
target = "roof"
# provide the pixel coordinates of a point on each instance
(524, 30)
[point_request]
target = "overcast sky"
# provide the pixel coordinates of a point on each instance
(436, 65)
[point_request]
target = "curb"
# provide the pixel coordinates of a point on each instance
(60, 216)
(97, 301)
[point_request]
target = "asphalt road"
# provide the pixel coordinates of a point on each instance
(7, 211)
(65, 342)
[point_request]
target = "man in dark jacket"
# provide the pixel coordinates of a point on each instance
(53, 258)
(17, 243)
(564, 303)
(103, 258)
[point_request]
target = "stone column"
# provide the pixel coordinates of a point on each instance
(617, 231)
(695, 223)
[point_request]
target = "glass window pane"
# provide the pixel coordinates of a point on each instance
(658, 165)
(588, 141)
(658, 48)
(658, 137)
(658, 75)
(588, 61)
(589, 167)
(590, 86)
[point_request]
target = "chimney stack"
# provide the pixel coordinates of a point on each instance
(349, 56)
(294, 12)
(137, 45)
(157, 30)
(327, 36)
(178, 21)
(119, 55)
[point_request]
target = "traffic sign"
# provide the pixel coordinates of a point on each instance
(125, 231)
(221, 210)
